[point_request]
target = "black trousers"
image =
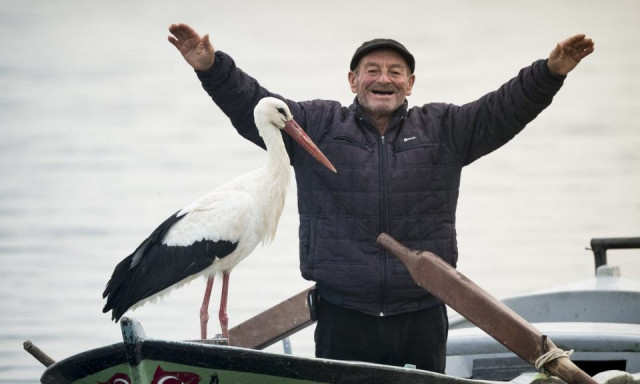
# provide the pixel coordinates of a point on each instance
(418, 338)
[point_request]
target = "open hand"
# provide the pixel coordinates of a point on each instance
(197, 51)
(567, 54)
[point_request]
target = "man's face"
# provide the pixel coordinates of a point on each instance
(382, 81)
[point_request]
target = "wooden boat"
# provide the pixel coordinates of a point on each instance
(143, 360)
(599, 319)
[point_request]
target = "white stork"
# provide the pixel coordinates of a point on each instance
(213, 234)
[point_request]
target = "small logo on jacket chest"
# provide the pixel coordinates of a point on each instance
(409, 138)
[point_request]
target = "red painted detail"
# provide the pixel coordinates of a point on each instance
(165, 377)
(118, 378)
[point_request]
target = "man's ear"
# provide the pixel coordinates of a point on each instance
(412, 79)
(352, 81)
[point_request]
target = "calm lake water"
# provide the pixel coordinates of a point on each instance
(105, 131)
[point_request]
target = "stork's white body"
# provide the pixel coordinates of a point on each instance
(245, 210)
(214, 233)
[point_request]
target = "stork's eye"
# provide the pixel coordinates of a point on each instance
(282, 112)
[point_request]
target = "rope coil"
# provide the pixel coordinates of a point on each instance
(551, 355)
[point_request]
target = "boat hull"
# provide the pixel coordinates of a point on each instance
(142, 360)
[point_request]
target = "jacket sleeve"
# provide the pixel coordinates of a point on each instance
(236, 94)
(480, 127)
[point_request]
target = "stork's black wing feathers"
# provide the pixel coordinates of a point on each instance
(153, 267)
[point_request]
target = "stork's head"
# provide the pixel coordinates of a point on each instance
(273, 113)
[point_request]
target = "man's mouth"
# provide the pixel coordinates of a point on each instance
(382, 92)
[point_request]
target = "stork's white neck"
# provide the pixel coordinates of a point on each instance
(276, 180)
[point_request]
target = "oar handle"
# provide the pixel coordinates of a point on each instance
(489, 314)
(38, 354)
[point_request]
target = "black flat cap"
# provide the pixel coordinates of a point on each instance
(374, 44)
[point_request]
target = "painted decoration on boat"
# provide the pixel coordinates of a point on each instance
(166, 377)
(161, 376)
(118, 378)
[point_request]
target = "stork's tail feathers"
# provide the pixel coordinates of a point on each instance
(116, 291)
(121, 291)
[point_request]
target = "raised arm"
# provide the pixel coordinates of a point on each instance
(196, 50)
(235, 92)
(568, 53)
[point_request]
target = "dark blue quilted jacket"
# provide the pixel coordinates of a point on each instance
(404, 183)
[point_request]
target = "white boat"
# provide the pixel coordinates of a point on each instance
(598, 318)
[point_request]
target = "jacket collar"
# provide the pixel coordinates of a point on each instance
(396, 119)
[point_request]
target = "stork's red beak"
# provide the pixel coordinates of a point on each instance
(295, 131)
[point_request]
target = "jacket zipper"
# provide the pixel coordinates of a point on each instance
(384, 212)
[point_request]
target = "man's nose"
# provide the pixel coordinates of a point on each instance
(384, 78)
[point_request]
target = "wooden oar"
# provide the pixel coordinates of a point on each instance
(272, 325)
(38, 354)
(489, 314)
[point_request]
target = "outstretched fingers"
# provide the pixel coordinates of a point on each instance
(578, 46)
(183, 35)
(183, 31)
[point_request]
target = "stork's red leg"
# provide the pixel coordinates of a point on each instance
(222, 314)
(204, 310)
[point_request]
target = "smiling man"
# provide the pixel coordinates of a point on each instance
(382, 77)
(399, 172)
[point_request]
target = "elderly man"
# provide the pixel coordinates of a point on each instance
(399, 172)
